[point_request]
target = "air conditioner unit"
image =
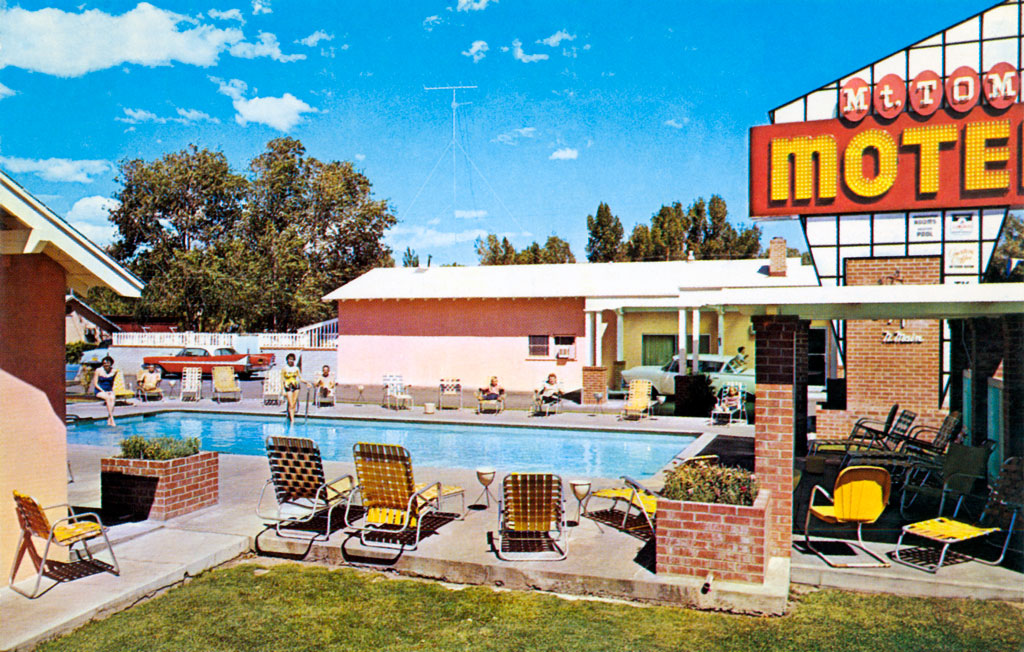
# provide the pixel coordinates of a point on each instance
(563, 352)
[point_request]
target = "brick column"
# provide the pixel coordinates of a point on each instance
(781, 409)
(986, 347)
(594, 380)
(1013, 385)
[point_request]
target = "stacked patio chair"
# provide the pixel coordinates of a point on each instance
(860, 496)
(393, 505)
(912, 450)
(395, 392)
(449, 387)
(225, 384)
(192, 384)
(954, 476)
(870, 435)
(531, 519)
(70, 530)
(302, 493)
(638, 400)
(1001, 514)
(273, 389)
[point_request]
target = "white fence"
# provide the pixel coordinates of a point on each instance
(171, 340)
(314, 339)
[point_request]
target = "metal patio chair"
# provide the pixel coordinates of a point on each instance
(860, 496)
(531, 519)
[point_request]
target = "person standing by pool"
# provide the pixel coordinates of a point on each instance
(103, 386)
(291, 380)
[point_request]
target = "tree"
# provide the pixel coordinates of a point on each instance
(501, 252)
(670, 230)
(410, 259)
(702, 230)
(604, 243)
(1010, 246)
(641, 245)
(556, 251)
(495, 252)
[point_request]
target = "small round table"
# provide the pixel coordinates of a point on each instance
(359, 399)
(171, 383)
(485, 475)
(580, 490)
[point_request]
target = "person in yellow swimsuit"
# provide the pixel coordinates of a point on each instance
(291, 380)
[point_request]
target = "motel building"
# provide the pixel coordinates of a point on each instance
(583, 322)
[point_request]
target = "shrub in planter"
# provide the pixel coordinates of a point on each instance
(158, 479)
(694, 395)
(702, 483)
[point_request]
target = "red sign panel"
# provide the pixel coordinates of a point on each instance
(911, 162)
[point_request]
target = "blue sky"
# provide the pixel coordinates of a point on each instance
(636, 104)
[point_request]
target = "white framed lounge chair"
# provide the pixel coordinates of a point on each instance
(395, 392)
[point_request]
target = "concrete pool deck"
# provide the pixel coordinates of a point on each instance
(602, 561)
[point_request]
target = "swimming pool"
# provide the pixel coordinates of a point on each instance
(591, 453)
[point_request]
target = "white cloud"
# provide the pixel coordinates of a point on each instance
(185, 116)
(316, 37)
(476, 51)
(517, 52)
(70, 45)
(261, 7)
(91, 216)
(360, 157)
(230, 14)
(267, 47)
(473, 5)
(512, 137)
(57, 169)
(564, 154)
(430, 22)
(281, 113)
(672, 123)
(470, 215)
(558, 37)
(5, 92)
(401, 236)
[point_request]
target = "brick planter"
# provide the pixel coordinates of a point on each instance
(700, 538)
(158, 490)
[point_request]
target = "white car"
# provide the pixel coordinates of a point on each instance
(720, 368)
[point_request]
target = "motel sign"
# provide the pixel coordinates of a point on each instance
(968, 154)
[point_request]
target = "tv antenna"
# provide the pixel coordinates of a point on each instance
(454, 144)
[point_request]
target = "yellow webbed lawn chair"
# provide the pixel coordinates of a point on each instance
(632, 495)
(531, 518)
(273, 389)
(492, 405)
(225, 383)
(638, 400)
(302, 492)
(861, 495)
(392, 502)
(121, 392)
(1002, 511)
(144, 392)
(192, 384)
(68, 531)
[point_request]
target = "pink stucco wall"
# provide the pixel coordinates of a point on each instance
(470, 339)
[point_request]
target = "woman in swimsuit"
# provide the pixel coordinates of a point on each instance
(103, 386)
(291, 379)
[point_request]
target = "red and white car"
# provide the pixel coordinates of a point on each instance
(208, 357)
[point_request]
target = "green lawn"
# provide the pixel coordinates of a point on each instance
(294, 607)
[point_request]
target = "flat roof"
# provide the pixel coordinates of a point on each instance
(870, 301)
(653, 279)
(27, 226)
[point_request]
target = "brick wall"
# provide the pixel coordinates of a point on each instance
(781, 418)
(700, 538)
(878, 373)
(594, 380)
(159, 489)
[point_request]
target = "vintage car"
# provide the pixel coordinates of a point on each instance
(208, 357)
(720, 368)
(94, 357)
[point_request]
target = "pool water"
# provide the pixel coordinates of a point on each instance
(590, 453)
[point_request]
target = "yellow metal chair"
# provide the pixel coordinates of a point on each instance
(531, 518)
(302, 492)
(861, 495)
(1002, 511)
(225, 383)
(393, 504)
(67, 532)
(638, 400)
(121, 392)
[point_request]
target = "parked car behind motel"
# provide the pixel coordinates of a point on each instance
(208, 357)
(719, 368)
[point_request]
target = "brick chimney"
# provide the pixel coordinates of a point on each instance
(777, 257)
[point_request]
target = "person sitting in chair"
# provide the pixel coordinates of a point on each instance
(149, 381)
(493, 391)
(325, 383)
(731, 400)
(551, 390)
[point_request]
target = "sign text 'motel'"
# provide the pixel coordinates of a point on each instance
(879, 156)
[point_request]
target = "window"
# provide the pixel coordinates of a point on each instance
(225, 351)
(539, 346)
(657, 349)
